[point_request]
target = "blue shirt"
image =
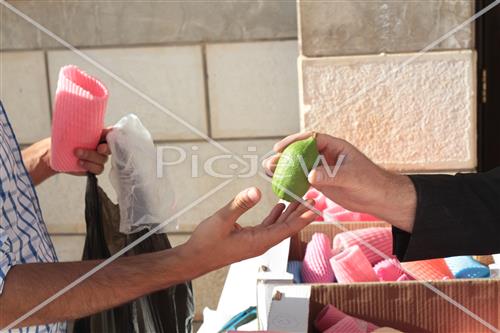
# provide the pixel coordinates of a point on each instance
(23, 233)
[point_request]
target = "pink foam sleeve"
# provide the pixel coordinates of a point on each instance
(351, 265)
(378, 238)
(335, 212)
(328, 317)
(404, 277)
(388, 270)
(316, 266)
(319, 200)
(78, 118)
(433, 269)
(351, 325)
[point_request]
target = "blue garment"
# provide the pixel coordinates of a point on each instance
(295, 267)
(23, 234)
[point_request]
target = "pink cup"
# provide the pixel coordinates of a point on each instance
(351, 265)
(316, 266)
(367, 239)
(319, 200)
(388, 270)
(78, 118)
(433, 269)
(328, 317)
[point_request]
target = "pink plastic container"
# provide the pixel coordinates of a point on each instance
(367, 239)
(78, 119)
(316, 266)
(319, 200)
(434, 269)
(351, 265)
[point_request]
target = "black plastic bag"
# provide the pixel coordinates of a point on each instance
(166, 311)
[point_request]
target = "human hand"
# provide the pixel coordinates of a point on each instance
(359, 184)
(220, 240)
(93, 160)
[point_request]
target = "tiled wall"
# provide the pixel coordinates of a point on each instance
(226, 70)
(363, 78)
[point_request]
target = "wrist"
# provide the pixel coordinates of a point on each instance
(191, 262)
(36, 158)
(399, 201)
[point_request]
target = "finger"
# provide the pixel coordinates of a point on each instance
(320, 177)
(273, 215)
(243, 201)
(94, 168)
(289, 210)
(91, 156)
(103, 149)
(105, 132)
(281, 145)
(307, 205)
(277, 232)
(269, 164)
(323, 142)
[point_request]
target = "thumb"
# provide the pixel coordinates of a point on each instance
(321, 177)
(241, 203)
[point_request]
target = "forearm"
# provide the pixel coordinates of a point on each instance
(123, 280)
(36, 158)
(396, 202)
(456, 215)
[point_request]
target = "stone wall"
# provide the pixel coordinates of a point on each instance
(226, 70)
(363, 78)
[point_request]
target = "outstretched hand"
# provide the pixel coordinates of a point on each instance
(220, 240)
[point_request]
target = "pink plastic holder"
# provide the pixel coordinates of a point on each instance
(319, 200)
(351, 325)
(367, 239)
(351, 265)
(433, 269)
(78, 118)
(328, 317)
(388, 270)
(316, 266)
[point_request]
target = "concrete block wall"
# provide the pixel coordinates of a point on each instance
(364, 79)
(227, 69)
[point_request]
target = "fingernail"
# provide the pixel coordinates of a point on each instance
(253, 194)
(79, 153)
(315, 177)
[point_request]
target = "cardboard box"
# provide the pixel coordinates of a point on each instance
(408, 306)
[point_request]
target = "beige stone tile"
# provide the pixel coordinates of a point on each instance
(62, 200)
(69, 247)
(91, 23)
(172, 76)
(253, 89)
(207, 290)
(421, 118)
(23, 91)
(190, 186)
(331, 28)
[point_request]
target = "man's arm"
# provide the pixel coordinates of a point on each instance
(455, 215)
(216, 242)
(123, 280)
(36, 158)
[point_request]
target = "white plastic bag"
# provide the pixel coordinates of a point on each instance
(145, 199)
